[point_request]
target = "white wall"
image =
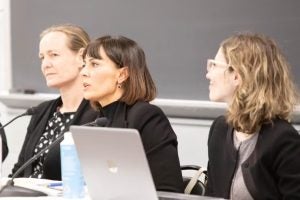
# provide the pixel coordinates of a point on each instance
(5, 63)
(5, 50)
(15, 133)
(192, 137)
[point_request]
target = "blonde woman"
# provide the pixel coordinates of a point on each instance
(254, 151)
(60, 52)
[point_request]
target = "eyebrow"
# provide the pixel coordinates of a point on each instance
(93, 57)
(90, 59)
(49, 51)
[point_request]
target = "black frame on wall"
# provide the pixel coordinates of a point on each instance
(177, 35)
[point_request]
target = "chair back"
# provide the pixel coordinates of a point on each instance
(197, 183)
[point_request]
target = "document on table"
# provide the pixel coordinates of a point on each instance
(50, 187)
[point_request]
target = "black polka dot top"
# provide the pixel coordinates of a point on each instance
(57, 124)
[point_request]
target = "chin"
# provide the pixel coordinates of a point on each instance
(52, 85)
(212, 97)
(215, 99)
(87, 97)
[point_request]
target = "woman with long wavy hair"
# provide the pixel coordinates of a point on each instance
(253, 150)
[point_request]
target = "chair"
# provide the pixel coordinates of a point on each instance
(196, 184)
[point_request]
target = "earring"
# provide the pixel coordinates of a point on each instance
(119, 85)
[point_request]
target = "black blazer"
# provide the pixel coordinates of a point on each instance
(36, 129)
(4, 143)
(272, 170)
(158, 138)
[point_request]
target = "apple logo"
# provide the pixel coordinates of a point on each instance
(112, 166)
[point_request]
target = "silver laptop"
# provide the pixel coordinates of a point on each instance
(114, 163)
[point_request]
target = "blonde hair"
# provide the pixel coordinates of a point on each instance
(266, 90)
(77, 37)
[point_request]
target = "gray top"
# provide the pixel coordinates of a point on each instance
(245, 148)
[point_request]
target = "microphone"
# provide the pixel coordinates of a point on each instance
(10, 190)
(6, 191)
(101, 121)
(30, 111)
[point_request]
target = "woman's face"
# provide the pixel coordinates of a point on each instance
(60, 65)
(222, 81)
(101, 78)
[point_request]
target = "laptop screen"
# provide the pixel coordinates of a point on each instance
(114, 163)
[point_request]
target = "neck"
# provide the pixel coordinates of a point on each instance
(108, 100)
(243, 136)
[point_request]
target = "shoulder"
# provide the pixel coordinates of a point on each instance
(280, 131)
(279, 139)
(279, 128)
(142, 108)
(42, 109)
(218, 129)
(219, 124)
(46, 104)
(144, 113)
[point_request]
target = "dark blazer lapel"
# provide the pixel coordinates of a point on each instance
(229, 142)
(39, 124)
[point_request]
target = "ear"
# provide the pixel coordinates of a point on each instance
(236, 78)
(80, 58)
(123, 74)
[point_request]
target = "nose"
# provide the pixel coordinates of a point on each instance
(45, 63)
(207, 75)
(84, 72)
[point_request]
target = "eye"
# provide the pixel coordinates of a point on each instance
(54, 54)
(213, 64)
(41, 57)
(94, 64)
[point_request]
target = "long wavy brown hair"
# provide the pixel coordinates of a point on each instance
(267, 90)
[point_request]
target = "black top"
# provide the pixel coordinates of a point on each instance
(158, 138)
(272, 171)
(4, 143)
(35, 130)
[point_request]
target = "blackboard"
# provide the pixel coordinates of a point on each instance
(177, 35)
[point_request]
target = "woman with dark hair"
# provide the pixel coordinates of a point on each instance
(117, 82)
(254, 151)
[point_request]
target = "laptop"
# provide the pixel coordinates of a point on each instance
(114, 163)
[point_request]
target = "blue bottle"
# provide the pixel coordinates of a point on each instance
(72, 178)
